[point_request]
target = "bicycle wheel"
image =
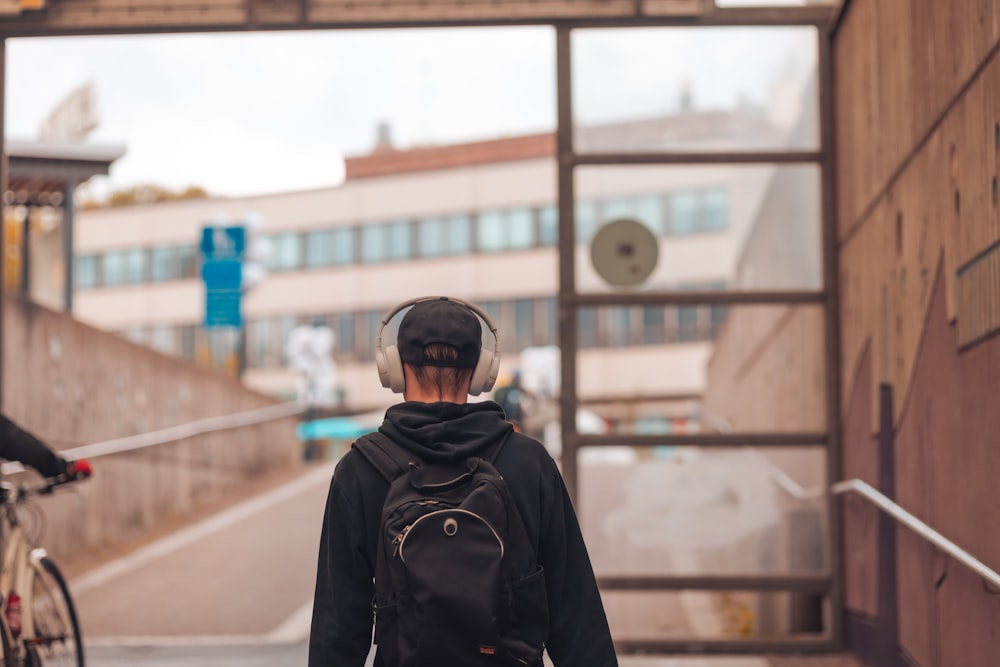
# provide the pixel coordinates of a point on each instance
(9, 657)
(55, 640)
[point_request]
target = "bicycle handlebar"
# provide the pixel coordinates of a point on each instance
(46, 487)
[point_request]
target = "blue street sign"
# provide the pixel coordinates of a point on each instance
(222, 270)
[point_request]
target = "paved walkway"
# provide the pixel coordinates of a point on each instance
(243, 575)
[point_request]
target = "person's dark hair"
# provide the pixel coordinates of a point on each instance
(446, 380)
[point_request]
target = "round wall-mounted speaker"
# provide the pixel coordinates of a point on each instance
(624, 252)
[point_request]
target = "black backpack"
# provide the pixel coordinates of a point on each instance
(456, 579)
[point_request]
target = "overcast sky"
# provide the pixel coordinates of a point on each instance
(260, 112)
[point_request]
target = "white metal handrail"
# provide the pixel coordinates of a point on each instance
(172, 434)
(917, 526)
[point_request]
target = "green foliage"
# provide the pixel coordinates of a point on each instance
(146, 194)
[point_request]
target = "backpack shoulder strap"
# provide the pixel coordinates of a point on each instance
(384, 454)
(493, 451)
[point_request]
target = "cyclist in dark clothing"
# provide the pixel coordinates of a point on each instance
(16, 444)
(436, 422)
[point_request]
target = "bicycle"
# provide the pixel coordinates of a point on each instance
(38, 621)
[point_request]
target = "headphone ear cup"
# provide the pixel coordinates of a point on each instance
(494, 371)
(395, 379)
(486, 372)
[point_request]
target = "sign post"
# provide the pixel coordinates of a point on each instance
(221, 268)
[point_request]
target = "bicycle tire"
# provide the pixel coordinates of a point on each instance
(56, 640)
(6, 645)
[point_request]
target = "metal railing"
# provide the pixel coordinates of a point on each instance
(917, 526)
(173, 433)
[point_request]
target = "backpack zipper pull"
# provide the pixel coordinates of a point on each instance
(398, 540)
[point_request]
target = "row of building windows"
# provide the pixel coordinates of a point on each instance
(489, 231)
(521, 323)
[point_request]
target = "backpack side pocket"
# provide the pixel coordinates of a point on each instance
(531, 614)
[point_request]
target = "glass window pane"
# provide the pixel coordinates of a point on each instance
(430, 237)
(85, 271)
(618, 326)
(163, 264)
(550, 321)
(373, 243)
(653, 325)
(319, 245)
(135, 266)
(491, 233)
(459, 234)
(587, 327)
(586, 221)
(114, 268)
(286, 253)
(548, 225)
(761, 94)
(683, 213)
(715, 210)
(398, 240)
(524, 323)
(687, 323)
(344, 328)
(522, 228)
(343, 246)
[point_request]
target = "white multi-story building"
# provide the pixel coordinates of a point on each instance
(477, 221)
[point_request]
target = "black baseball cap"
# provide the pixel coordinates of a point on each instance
(440, 320)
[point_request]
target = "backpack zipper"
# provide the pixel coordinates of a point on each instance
(401, 538)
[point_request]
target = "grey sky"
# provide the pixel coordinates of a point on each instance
(247, 113)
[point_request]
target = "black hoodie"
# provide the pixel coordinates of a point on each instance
(342, 608)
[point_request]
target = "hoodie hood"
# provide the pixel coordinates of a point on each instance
(445, 432)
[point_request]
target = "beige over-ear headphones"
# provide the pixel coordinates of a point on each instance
(390, 366)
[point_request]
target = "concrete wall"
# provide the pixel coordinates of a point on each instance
(73, 385)
(918, 141)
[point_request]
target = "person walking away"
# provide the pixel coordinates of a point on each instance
(439, 445)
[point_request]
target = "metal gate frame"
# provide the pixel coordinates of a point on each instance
(824, 19)
(828, 583)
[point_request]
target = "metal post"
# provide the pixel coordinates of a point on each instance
(3, 195)
(69, 211)
(567, 261)
(831, 286)
(26, 252)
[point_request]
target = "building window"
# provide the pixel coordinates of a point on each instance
(171, 263)
(550, 320)
(319, 248)
(548, 225)
(458, 234)
(373, 243)
(524, 323)
(85, 271)
(586, 221)
(520, 228)
(587, 327)
(343, 329)
(617, 326)
(683, 213)
(399, 238)
(431, 237)
(699, 211)
(490, 234)
(715, 210)
(286, 252)
(124, 267)
(687, 323)
(653, 325)
(647, 209)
